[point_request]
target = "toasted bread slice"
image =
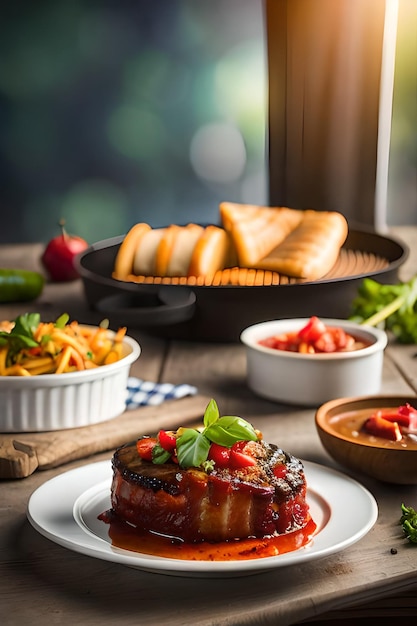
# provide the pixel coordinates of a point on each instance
(311, 250)
(211, 252)
(123, 265)
(257, 230)
(184, 243)
(164, 251)
(145, 254)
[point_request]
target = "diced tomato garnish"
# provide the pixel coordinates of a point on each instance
(407, 412)
(313, 330)
(380, 427)
(285, 341)
(145, 446)
(407, 409)
(269, 342)
(240, 458)
(35, 351)
(340, 337)
(325, 343)
(219, 454)
(280, 470)
(405, 415)
(167, 440)
(314, 337)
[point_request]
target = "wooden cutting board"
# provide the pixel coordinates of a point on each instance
(21, 454)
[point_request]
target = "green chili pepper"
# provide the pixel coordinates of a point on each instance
(20, 285)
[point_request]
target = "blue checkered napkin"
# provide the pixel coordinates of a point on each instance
(146, 393)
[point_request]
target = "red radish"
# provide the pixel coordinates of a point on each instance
(58, 256)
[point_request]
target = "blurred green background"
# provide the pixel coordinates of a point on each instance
(117, 112)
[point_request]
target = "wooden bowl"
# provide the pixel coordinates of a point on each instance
(338, 424)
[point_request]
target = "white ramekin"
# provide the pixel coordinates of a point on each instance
(311, 379)
(59, 401)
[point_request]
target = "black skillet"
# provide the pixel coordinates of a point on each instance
(220, 313)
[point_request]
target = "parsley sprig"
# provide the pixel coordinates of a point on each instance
(408, 521)
(392, 306)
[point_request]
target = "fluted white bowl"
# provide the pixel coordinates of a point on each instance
(70, 400)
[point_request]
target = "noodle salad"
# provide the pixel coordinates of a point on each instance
(29, 347)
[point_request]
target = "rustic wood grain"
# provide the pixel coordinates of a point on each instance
(43, 582)
(23, 453)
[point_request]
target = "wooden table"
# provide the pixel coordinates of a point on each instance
(42, 582)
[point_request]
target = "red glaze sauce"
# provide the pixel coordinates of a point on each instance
(128, 537)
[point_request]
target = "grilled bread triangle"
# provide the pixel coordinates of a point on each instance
(310, 250)
(257, 230)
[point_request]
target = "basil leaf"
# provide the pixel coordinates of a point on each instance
(159, 455)
(21, 335)
(211, 413)
(229, 429)
(192, 448)
(25, 325)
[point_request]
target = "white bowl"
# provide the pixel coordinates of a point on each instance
(59, 401)
(312, 379)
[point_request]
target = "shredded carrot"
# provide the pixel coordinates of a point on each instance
(77, 359)
(3, 355)
(70, 348)
(63, 360)
(17, 370)
(119, 336)
(112, 357)
(45, 362)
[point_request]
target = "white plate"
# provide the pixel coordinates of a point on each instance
(65, 510)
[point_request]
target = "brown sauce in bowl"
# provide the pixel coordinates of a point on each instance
(351, 426)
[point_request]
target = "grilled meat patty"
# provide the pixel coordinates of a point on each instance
(191, 505)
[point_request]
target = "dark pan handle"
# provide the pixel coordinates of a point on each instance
(161, 307)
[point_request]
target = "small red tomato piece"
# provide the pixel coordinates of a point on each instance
(145, 446)
(407, 409)
(340, 337)
(312, 330)
(219, 454)
(238, 456)
(407, 416)
(380, 427)
(280, 470)
(284, 341)
(402, 420)
(269, 342)
(36, 351)
(325, 343)
(167, 440)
